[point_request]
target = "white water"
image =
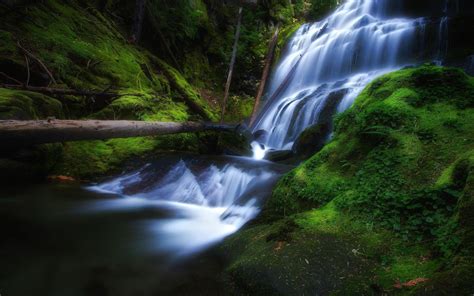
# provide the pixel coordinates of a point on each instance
(207, 205)
(345, 51)
(333, 59)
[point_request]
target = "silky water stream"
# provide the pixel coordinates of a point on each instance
(146, 232)
(149, 231)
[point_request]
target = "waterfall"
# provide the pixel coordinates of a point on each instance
(340, 54)
(324, 68)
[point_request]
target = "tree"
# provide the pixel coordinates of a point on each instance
(138, 20)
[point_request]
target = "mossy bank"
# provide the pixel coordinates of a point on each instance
(85, 45)
(385, 207)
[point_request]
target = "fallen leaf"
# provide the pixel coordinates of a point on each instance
(279, 246)
(411, 283)
(61, 178)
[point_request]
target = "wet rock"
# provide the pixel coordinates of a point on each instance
(279, 155)
(260, 135)
(311, 140)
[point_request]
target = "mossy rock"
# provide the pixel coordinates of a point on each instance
(399, 166)
(323, 251)
(24, 105)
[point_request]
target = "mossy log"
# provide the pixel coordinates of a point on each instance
(19, 133)
(67, 92)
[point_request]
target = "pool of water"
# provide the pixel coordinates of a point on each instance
(139, 233)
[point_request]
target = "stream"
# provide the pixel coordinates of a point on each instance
(151, 231)
(146, 231)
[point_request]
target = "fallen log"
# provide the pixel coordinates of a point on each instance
(65, 92)
(20, 133)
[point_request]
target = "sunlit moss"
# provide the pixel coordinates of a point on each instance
(28, 105)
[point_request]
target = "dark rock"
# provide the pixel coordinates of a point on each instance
(330, 105)
(278, 155)
(260, 135)
(311, 140)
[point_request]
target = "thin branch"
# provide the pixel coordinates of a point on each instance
(39, 62)
(11, 78)
(27, 61)
(265, 73)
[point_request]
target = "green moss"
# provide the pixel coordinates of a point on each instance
(94, 158)
(388, 155)
(239, 108)
(86, 50)
(394, 182)
(28, 105)
(322, 250)
(90, 159)
(190, 96)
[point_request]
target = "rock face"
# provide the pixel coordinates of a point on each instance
(311, 140)
(278, 155)
(314, 137)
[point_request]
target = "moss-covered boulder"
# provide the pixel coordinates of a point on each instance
(400, 163)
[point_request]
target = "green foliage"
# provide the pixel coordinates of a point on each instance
(85, 49)
(394, 162)
(27, 105)
(348, 256)
(319, 8)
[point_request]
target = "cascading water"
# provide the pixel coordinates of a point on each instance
(338, 55)
(209, 203)
(327, 64)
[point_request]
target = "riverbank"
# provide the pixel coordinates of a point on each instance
(385, 207)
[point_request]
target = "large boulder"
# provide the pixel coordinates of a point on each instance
(311, 140)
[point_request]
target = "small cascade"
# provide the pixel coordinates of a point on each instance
(217, 199)
(442, 40)
(324, 68)
(443, 34)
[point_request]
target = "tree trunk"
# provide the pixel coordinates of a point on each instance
(284, 83)
(138, 20)
(19, 133)
(231, 66)
(266, 72)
